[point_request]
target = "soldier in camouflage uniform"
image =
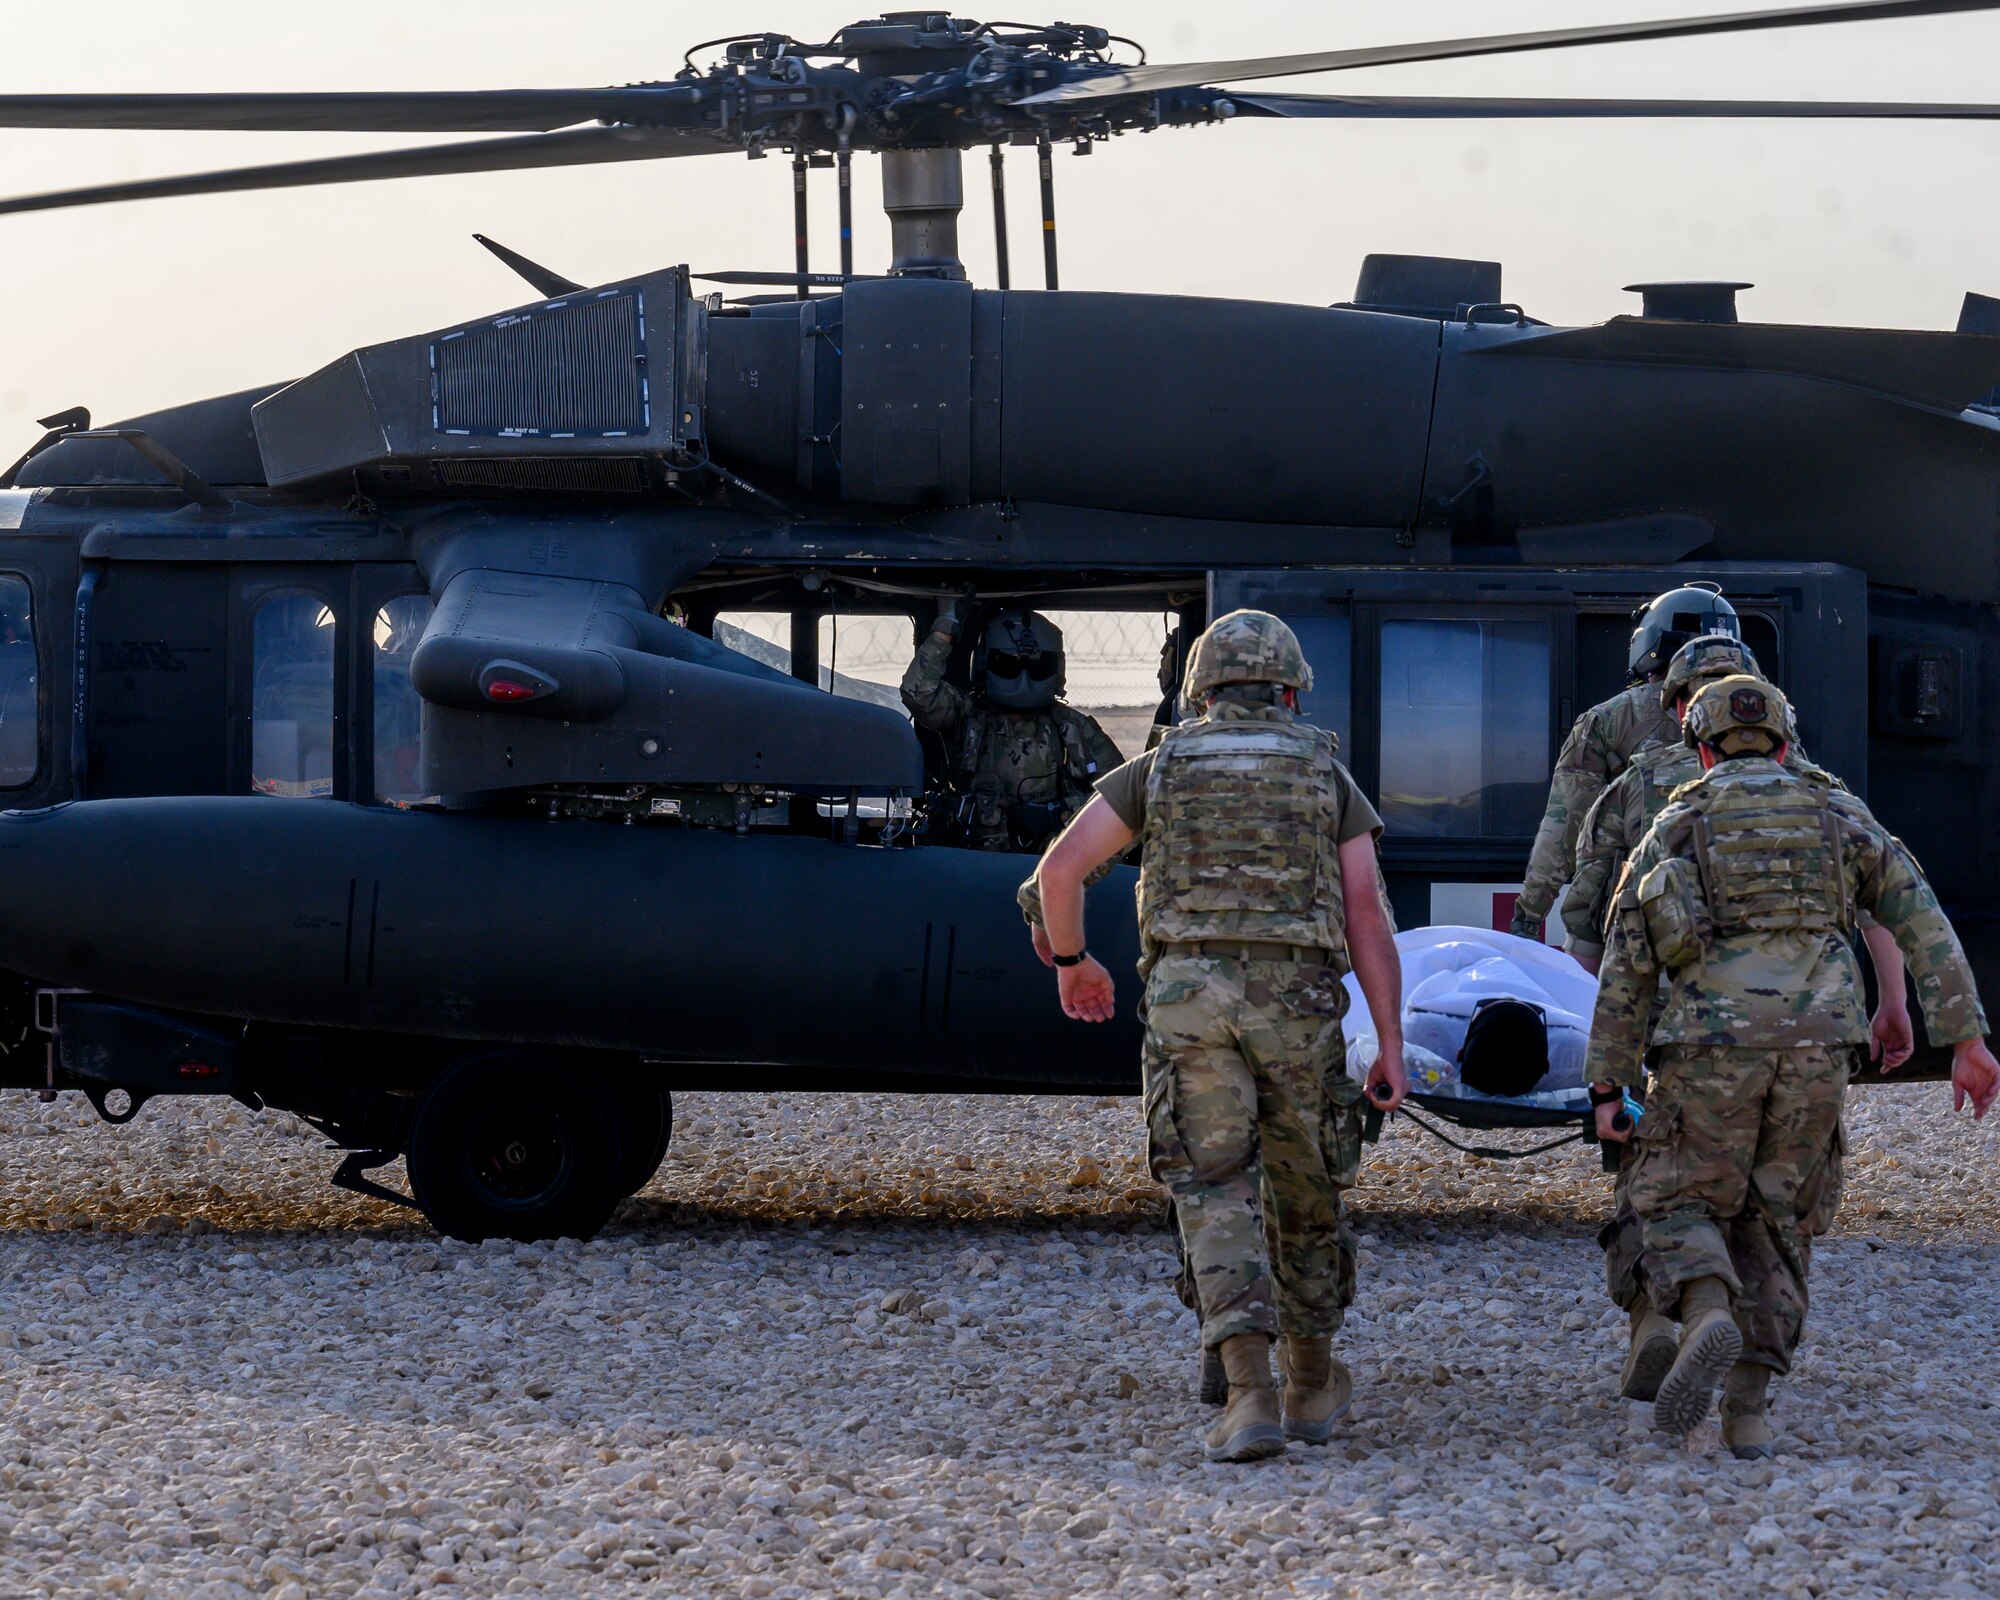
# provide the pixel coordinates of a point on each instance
(1605, 737)
(1019, 760)
(1743, 893)
(1251, 830)
(1616, 821)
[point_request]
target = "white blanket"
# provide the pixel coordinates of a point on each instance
(1447, 971)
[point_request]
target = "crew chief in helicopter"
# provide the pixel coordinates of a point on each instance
(1019, 761)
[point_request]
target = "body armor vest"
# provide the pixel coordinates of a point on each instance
(1769, 857)
(1239, 840)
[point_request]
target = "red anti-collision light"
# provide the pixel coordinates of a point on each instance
(199, 1069)
(508, 689)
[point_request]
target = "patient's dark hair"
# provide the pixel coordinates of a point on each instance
(1506, 1050)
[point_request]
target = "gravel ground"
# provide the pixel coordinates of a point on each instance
(928, 1346)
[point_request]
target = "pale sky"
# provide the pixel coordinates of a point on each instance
(128, 307)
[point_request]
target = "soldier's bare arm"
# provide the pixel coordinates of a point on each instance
(1377, 967)
(1892, 1039)
(1095, 836)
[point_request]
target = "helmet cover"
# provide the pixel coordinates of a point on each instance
(1246, 647)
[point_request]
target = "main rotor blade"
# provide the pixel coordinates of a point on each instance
(575, 147)
(1150, 80)
(1462, 106)
(447, 111)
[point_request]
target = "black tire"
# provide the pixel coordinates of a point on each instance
(649, 1128)
(518, 1143)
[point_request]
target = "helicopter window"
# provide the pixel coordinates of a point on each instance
(291, 718)
(398, 710)
(1111, 662)
(764, 636)
(20, 701)
(1465, 727)
(862, 656)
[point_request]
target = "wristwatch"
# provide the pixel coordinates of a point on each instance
(1076, 960)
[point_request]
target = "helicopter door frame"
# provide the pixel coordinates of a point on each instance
(249, 587)
(50, 568)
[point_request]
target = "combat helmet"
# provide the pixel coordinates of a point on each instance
(1713, 655)
(1246, 647)
(1739, 715)
(1669, 621)
(1018, 665)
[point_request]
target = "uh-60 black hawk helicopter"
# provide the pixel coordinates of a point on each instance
(574, 853)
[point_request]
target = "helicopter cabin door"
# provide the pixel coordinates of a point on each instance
(1453, 689)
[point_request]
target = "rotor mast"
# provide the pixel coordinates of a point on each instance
(923, 192)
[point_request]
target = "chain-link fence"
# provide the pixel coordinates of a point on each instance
(1113, 656)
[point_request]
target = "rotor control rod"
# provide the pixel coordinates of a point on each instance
(846, 164)
(998, 162)
(800, 222)
(1046, 165)
(923, 192)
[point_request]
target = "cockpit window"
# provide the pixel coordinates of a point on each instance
(399, 716)
(20, 696)
(291, 717)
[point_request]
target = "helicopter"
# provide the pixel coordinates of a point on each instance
(572, 847)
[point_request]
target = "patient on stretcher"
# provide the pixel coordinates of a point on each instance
(1486, 1016)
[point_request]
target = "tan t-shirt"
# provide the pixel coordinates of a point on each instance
(1124, 790)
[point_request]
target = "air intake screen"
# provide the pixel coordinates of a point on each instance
(576, 369)
(556, 474)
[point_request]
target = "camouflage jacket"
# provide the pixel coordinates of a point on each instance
(1596, 751)
(1018, 775)
(1616, 820)
(1772, 988)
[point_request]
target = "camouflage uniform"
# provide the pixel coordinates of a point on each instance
(1023, 774)
(1618, 819)
(1596, 751)
(1244, 811)
(1743, 893)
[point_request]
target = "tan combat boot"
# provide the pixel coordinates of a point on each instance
(1318, 1388)
(1214, 1383)
(1652, 1353)
(1710, 1344)
(1744, 1399)
(1248, 1429)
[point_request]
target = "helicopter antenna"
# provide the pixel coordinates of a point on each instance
(548, 284)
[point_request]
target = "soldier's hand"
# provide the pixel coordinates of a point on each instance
(1388, 1074)
(948, 612)
(1087, 992)
(1892, 1040)
(1524, 926)
(1609, 1128)
(1044, 951)
(1975, 1076)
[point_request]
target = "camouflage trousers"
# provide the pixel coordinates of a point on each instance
(1738, 1169)
(1256, 1133)
(1623, 1237)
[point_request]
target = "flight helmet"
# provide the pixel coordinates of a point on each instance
(1018, 665)
(1669, 621)
(1245, 647)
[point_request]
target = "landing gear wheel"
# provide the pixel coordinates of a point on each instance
(649, 1126)
(518, 1144)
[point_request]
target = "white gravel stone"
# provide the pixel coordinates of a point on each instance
(880, 1347)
